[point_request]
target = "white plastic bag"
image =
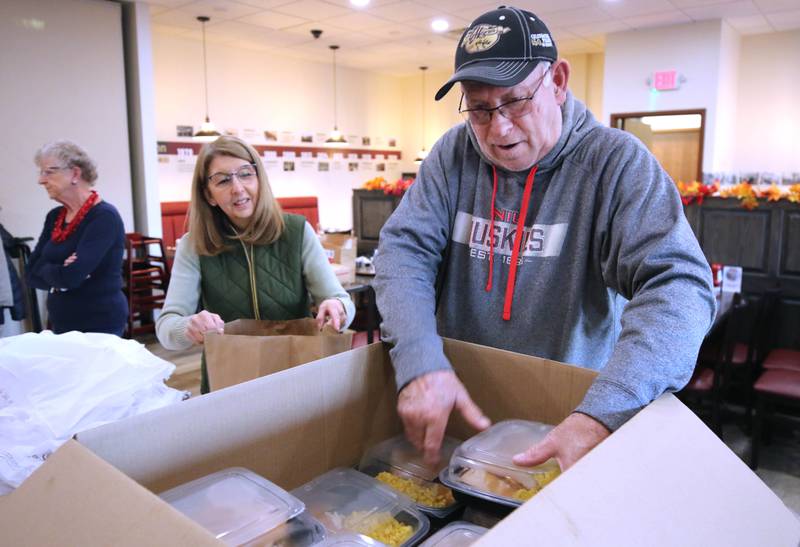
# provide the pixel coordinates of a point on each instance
(54, 386)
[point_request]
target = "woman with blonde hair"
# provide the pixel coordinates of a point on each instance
(243, 257)
(78, 258)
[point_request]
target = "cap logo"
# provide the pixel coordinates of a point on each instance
(482, 37)
(541, 40)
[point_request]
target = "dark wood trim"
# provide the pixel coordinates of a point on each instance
(170, 148)
(702, 111)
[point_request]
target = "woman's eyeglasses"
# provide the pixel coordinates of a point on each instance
(245, 175)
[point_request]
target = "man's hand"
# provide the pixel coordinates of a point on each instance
(201, 323)
(425, 404)
(567, 442)
(331, 312)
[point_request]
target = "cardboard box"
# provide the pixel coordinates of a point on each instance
(341, 251)
(662, 479)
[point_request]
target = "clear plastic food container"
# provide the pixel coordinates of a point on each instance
(302, 531)
(397, 463)
(482, 465)
(352, 540)
(346, 500)
(235, 504)
(455, 534)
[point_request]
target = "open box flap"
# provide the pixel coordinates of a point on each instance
(288, 427)
(75, 498)
(662, 479)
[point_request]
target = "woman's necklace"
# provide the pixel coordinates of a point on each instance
(61, 232)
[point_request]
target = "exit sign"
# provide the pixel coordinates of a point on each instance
(665, 80)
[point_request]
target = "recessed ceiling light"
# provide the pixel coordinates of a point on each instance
(439, 25)
(359, 3)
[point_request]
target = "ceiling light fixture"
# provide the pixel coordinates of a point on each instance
(422, 154)
(359, 3)
(207, 131)
(336, 136)
(440, 25)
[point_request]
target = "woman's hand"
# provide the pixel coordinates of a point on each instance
(331, 312)
(70, 259)
(201, 323)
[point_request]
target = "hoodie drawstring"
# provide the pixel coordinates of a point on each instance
(523, 212)
(491, 232)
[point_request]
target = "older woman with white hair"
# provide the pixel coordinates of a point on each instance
(78, 258)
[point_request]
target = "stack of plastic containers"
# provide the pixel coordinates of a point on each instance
(455, 534)
(348, 501)
(397, 463)
(482, 466)
(242, 508)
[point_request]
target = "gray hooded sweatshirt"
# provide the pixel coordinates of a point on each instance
(609, 276)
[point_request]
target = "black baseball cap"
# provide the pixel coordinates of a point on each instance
(501, 48)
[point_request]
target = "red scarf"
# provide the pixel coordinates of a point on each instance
(61, 232)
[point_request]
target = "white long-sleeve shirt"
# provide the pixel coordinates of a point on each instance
(183, 294)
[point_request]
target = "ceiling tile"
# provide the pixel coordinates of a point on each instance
(721, 11)
(312, 9)
(657, 20)
(424, 25)
(334, 35)
(273, 20)
(575, 17)
(358, 21)
(396, 31)
(454, 6)
(697, 3)
(541, 7)
(170, 4)
(632, 9)
(180, 18)
(584, 31)
(767, 6)
(347, 4)
(785, 20)
(265, 4)
(219, 9)
(400, 12)
(753, 24)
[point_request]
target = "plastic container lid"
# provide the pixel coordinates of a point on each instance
(409, 474)
(235, 504)
(352, 540)
(302, 531)
(455, 534)
(482, 465)
(346, 500)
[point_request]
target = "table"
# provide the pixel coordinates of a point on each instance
(363, 284)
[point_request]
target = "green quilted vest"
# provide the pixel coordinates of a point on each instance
(277, 274)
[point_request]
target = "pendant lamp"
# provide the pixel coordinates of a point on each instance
(336, 136)
(207, 131)
(422, 154)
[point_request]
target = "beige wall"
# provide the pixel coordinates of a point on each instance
(62, 78)
(586, 81)
(251, 89)
(767, 131)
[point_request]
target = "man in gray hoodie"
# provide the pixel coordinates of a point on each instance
(533, 228)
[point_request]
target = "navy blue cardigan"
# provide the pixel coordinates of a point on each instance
(86, 295)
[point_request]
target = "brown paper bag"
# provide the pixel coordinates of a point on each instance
(250, 349)
(341, 252)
